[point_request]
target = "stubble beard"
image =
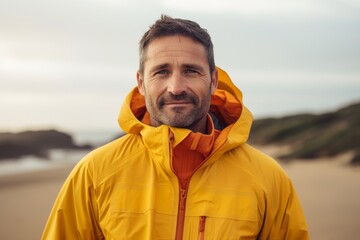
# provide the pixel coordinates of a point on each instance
(178, 117)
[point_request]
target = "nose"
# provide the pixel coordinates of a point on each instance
(176, 84)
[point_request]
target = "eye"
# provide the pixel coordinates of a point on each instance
(190, 71)
(162, 72)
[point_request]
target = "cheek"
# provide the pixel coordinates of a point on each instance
(203, 90)
(156, 88)
(152, 93)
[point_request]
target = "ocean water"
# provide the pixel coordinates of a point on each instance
(95, 137)
(57, 157)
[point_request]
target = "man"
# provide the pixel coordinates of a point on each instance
(184, 169)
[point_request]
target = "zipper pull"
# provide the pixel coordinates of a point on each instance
(202, 227)
(182, 199)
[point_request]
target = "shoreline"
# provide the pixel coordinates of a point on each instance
(29, 176)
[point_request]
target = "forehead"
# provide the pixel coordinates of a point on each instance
(180, 48)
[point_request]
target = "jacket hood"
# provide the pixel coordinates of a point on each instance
(226, 106)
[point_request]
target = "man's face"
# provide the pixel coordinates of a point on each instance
(177, 83)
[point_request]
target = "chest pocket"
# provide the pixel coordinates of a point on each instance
(230, 214)
(140, 212)
(223, 203)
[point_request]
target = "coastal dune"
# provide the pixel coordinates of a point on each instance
(328, 188)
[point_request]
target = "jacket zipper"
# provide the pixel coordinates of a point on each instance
(181, 215)
(182, 200)
(202, 228)
(182, 197)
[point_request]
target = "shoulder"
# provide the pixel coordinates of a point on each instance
(259, 167)
(125, 145)
(104, 160)
(251, 156)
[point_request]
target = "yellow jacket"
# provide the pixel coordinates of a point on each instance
(127, 189)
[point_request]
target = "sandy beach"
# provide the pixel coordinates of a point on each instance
(330, 195)
(329, 190)
(26, 200)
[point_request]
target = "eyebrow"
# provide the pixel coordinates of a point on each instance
(160, 66)
(194, 66)
(188, 65)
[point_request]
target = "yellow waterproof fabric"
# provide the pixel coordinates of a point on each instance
(127, 190)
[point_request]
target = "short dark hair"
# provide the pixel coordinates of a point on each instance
(167, 26)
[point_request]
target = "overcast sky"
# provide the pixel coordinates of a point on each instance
(69, 64)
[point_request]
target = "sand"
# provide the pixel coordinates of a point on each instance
(329, 191)
(26, 200)
(330, 196)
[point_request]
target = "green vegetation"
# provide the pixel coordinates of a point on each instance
(312, 136)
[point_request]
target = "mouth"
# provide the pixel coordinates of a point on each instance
(178, 103)
(183, 100)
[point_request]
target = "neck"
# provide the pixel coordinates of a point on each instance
(200, 126)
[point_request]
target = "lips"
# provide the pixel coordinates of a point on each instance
(177, 100)
(177, 104)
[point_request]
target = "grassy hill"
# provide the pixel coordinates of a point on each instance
(311, 136)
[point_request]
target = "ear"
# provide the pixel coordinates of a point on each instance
(140, 83)
(214, 81)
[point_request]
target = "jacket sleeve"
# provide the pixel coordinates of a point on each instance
(74, 214)
(287, 218)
